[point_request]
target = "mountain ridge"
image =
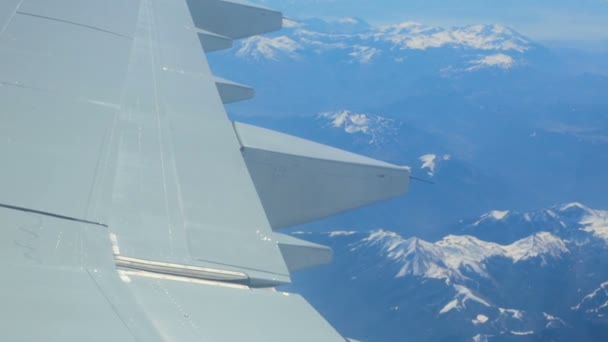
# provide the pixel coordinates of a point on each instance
(469, 288)
(354, 40)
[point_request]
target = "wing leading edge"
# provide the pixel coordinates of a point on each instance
(132, 209)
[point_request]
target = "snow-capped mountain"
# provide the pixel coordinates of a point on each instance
(374, 128)
(345, 56)
(463, 287)
(573, 220)
(454, 256)
(356, 41)
(595, 304)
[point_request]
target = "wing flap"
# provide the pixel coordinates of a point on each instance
(299, 180)
(193, 311)
(55, 278)
(60, 277)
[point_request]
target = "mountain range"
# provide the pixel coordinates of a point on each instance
(362, 43)
(549, 285)
(582, 20)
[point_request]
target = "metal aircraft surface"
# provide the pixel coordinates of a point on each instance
(131, 208)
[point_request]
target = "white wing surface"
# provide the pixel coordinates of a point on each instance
(131, 208)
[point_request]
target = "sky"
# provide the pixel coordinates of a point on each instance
(550, 20)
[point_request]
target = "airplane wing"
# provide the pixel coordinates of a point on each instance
(131, 208)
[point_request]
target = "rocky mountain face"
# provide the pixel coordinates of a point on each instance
(538, 275)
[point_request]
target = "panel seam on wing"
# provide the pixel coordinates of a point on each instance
(73, 23)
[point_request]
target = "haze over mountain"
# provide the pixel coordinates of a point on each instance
(555, 20)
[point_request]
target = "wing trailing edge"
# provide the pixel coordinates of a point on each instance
(299, 180)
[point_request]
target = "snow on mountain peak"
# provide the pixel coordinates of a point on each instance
(381, 235)
(480, 319)
(480, 338)
(348, 20)
(455, 255)
(420, 258)
(572, 221)
(288, 23)
(512, 313)
(499, 60)
(590, 220)
(261, 47)
(596, 222)
(553, 321)
(342, 233)
(499, 215)
(363, 43)
(411, 35)
(495, 215)
(575, 205)
(463, 295)
(541, 245)
(463, 252)
(430, 161)
(596, 302)
(364, 54)
(416, 257)
(373, 126)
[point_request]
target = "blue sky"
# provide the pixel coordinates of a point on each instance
(565, 20)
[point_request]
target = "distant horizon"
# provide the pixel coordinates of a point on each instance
(596, 44)
(584, 23)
